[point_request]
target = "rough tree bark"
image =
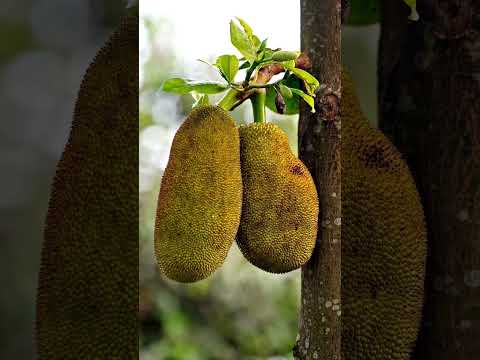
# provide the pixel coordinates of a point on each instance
(429, 85)
(319, 148)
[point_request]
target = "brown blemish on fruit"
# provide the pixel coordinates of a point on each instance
(296, 170)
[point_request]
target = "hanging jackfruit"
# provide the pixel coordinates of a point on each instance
(87, 300)
(278, 227)
(200, 198)
(383, 242)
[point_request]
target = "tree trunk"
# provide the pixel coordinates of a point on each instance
(429, 86)
(319, 148)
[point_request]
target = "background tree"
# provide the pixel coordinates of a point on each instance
(429, 89)
(45, 47)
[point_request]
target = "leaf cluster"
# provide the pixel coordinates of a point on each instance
(254, 55)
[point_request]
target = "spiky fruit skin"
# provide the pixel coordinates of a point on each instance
(383, 242)
(200, 198)
(87, 300)
(278, 228)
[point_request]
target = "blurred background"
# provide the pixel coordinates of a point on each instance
(240, 312)
(45, 48)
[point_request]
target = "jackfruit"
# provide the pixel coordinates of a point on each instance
(200, 198)
(278, 227)
(383, 242)
(87, 300)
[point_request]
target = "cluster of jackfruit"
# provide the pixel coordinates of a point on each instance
(87, 300)
(218, 185)
(383, 242)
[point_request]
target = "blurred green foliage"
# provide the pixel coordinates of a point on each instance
(145, 119)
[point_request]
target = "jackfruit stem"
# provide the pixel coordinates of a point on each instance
(258, 104)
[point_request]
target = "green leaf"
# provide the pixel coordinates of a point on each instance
(262, 46)
(261, 51)
(248, 30)
(228, 66)
(184, 86)
(292, 104)
(308, 99)
(200, 100)
(268, 54)
(242, 42)
(285, 91)
(311, 83)
(256, 41)
(285, 55)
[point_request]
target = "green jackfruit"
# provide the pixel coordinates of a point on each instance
(383, 242)
(87, 301)
(278, 227)
(200, 198)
